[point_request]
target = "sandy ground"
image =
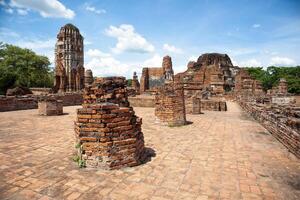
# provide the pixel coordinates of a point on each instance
(221, 155)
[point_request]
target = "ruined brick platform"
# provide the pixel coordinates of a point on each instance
(222, 155)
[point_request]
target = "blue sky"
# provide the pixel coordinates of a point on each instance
(124, 36)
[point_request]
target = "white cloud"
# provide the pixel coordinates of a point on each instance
(22, 11)
(94, 10)
(250, 63)
(37, 44)
(154, 61)
(172, 49)
(2, 3)
(104, 64)
(46, 8)
(193, 58)
(256, 26)
(7, 33)
(128, 40)
(96, 53)
(282, 61)
(9, 10)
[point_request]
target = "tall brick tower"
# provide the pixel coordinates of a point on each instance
(69, 70)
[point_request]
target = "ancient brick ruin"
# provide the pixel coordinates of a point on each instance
(107, 129)
(69, 70)
(154, 77)
(170, 106)
(212, 70)
(50, 106)
(246, 87)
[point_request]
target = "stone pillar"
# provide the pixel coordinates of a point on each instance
(50, 106)
(88, 78)
(144, 80)
(196, 105)
(135, 83)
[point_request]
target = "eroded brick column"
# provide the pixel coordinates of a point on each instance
(169, 105)
(108, 132)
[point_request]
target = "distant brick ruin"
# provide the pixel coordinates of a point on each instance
(69, 70)
(88, 78)
(135, 83)
(281, 89)
(170, 106)
(212, 70)
(154, 77)
(246, 85)
(107, 129)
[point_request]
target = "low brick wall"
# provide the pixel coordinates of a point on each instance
(213, 105)
(18, 103)
(142, 101)
(283, 122)
(11, 103)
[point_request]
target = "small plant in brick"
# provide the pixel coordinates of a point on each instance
(76, 158)
(81, 163)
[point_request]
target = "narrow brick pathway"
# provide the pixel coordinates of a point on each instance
(221, 155)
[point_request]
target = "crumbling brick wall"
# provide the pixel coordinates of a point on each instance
(283, 122)
(107, 129)
(108, 89)
(170, 106)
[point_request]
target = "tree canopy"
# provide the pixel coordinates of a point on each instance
(270, 77)
(23, 67)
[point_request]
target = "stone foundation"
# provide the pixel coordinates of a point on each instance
(281, 121)
(170, 106)
(107, 129)
(50, 107)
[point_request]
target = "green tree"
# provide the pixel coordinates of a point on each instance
(23, 67)
(271, 76)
